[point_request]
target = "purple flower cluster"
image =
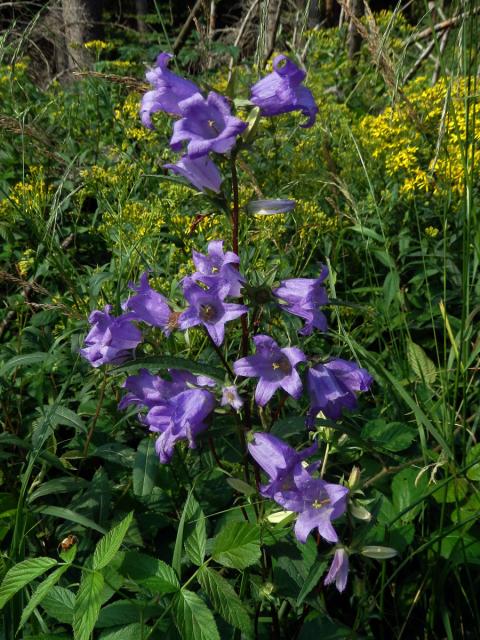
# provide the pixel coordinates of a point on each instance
(206, 125)
(293, 487)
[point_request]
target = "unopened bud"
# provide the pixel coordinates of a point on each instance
(379, 553)
(359, 512)
(354, 478)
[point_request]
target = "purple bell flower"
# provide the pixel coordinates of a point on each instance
(217, 265)
(274, 366)
(282, 91)
(151, 307)
(231, 397)
(317, 502)
(110, 339)
(207, 125)
(207, 307)
(202, 172)
(303, 297)
(338, 571)
(333, 386)
(182, 417)
(278, 460)
(169, 89)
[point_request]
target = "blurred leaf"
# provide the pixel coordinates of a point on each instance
(193, 618)
(145, 468)
(393, 436)
(154, 574)
(156, 363)
(237, 545)
(473, 458)
(408, 489)
(391, 287)
(24, 360)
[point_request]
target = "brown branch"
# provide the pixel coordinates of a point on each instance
(445, 24)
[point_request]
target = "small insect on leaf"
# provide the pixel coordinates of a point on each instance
(67, 543)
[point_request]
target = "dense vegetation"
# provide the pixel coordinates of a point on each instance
(102, 540)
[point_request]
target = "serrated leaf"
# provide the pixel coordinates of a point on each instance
(311, 581)
(123, 612)
(87, 604)
(421, 365)
(132, 631)
(145, 468)
(23, 361)
(237, 545)
(22, 574)
(42, 590)
(225, 600)
(59, 603)
(108, 546)
(196, 542)
(193, 618)
(154, 574)
(189, 508)
(393, 436)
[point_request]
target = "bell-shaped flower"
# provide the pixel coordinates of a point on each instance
(303, 297)
(282, 91)
(231, 397)
(168, 90)
(151, 307)
(110, 339)
(317, 503)
(274, 366)
(207, 308)
(216, 266)
(182, 417)
(207, 125)
(202, 172)
(334, 385)
(338, 571)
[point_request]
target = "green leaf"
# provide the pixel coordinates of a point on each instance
(42, 590)
(145, 468)
(473, 458)
(133, 631)
(391, 286)
(108, 546)
(454, 491)
(58, 485)
(311, 581)
(23, 361)
(123, 612)
(154, 574)
(155, 363)
(196, 542)
(72, 516)
(190, 507)
(408, 490)
(237, 545)
(393, 436)
(225, 600)
(193, 618)
(22, 574)
(420, 363)
(87, 604)
(59, 603)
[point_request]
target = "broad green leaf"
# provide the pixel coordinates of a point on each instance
(312, 580)
(133, 631)
(460, 547)
(108, 546)
(193, 618)
(156, 363)
(225, 600)
(237, 545)
(196, 542)
(24, 360)
(454, 491)
(145, 468)
(59, 603)
(22, 574)
(72, 516)
(421, 365)
(154, 574)
(58, 485)
(87, 604)
(390, 287)
(408, 489)
(473, 458)
(43, 589)
(241, 486)
(123, 612)
(393, 436)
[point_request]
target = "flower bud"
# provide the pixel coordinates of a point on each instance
(378, 552)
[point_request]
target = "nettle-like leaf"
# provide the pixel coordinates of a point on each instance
(196, 542)
(421, 365)
(87, 604)
(108, 546)
(145, 468)
(193, 618)
(155, 575)
(22, 574)
(59, 603)
(237, 545)
(225, 600)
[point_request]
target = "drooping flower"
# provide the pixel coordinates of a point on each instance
(317, 503)
(216, 266)
(207, 307)
(278, 460)
(338, 571)
(270, 207)
(333, 386)
(274, 366)
(231, 397)
(202, 172)
(110, 339)
(182, 417)
(282, 91)
(151, 307)
(303, 297)
(207, 125)
(168, 90)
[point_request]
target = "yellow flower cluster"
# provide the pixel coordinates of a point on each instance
(27, 197)
(432, 232)
(97, 45)
(11, 71)
(312, 221)
(24, 265)
(131, 222)
(128, 118)
(120, 178)
(423, 144)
